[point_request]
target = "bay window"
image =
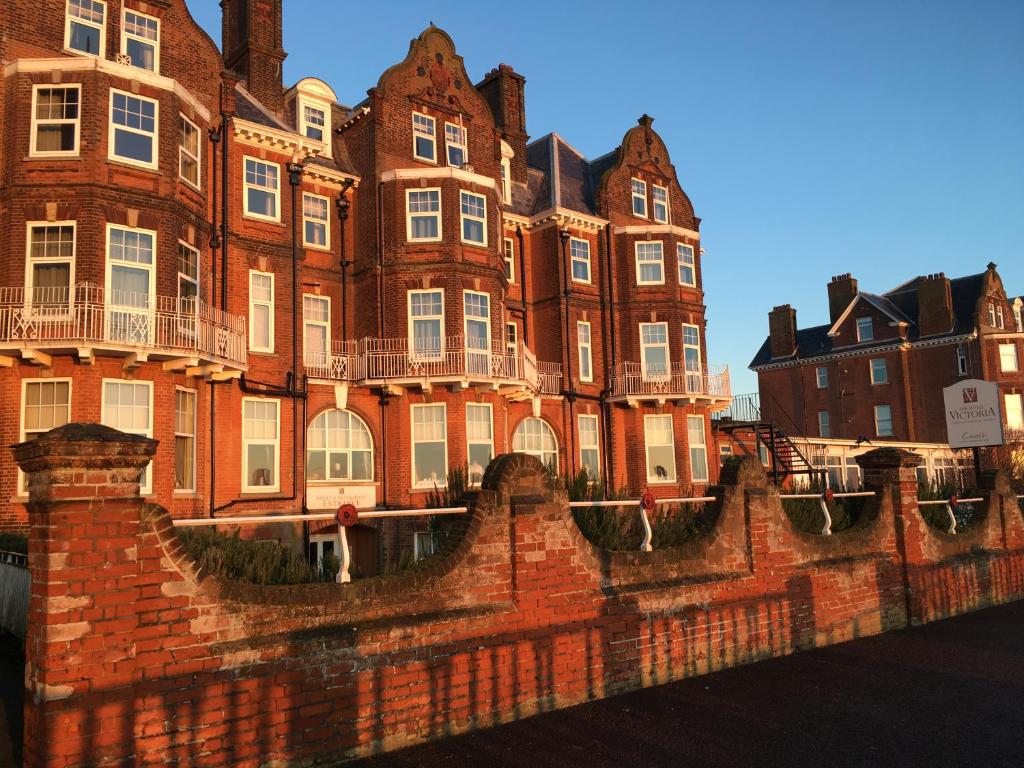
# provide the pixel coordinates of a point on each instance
(133, 135)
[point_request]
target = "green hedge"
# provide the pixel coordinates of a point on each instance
(233, 558)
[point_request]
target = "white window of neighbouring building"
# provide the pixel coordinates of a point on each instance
(824, 424)
(426, 324)
(821, 376)
(961, 361)
(424, 141)
(316, 330)
(261, 445)
(659, 439)
(188, 151)
(1018, 319)
(579, 251)
(128, 406)
(262, 190)
(1008, 358)
(698, 448)
(423, 215)
(534, 437)
(590, 451)
(50, 267)
(140, 40)
(508, 257)
(585, 351)
(654, 358)
(131, 284)
(473, 214)
(45, 405)
(184, 440)
(261, 311)
(659, 204)
(1014, 411)
(429, 446)
(477, 314)
(650, 263)
(85, 27)
(691, 358)
(865, 329)
(133, 134)
(687, 267)
(639, 189)
(879, 371)
(315, 221)
(883, 421)
(56, 120)
(479, 440)
(455, 144)
(339, 447)
(314, 122)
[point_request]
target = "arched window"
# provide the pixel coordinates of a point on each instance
(534, 437)
(339, 447)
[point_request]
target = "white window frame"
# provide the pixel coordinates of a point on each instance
(655, 203)
(892, 427)
(187, 315)
(276, 191)
(33, 150)
(253, 347)
(300, 114)
(508, 256)
(1015, 414)
(638, 192)
(111, 297)
(824, 424)
(477, 360)
(187, 435)
(126, 35)
(592, 419)
(114, 127)
(182, 151)
(413, 353)
(431, 136)
(682, 251)
(821, 377)
(355, 420)
(992, 314)
(875, 379)
(102, 27)
(999, 315)
(307, 322)
(1017, 318)
(671, 475)
(695, 446)
(325, 222)
(146, 488)
(694, 375)
(639, 246)
(276, 443)
(865, 323)
(646, 375)
(464, 217)
(539, 455)
(1009, 361)
(477, 441)
(412, 438)
(29, 262)
(579, 253)
(409, 214)
(457, 131)
(584, 347)
(22, 434)
(506, 181)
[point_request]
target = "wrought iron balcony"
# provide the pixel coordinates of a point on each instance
(630, 383)
(449, 361)
(36, 323)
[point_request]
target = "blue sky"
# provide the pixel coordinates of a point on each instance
(814, 137)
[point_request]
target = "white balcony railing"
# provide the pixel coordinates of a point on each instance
(630, 380)
(373, 360)
(89, 316)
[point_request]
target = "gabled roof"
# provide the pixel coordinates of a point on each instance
(880, 303)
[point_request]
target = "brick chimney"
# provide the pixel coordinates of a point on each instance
(782, 331)
(841, 292)
(251, 40)
(934, 305)
(504, 91)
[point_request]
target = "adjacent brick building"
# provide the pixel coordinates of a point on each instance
(306, 302)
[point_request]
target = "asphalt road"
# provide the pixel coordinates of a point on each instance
(947, 694)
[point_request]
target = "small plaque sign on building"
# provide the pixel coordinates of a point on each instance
(973, 416)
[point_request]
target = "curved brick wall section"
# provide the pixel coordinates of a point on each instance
(135, 658)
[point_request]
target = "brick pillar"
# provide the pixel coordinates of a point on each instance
(84, 514)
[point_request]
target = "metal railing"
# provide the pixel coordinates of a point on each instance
(949, 504)
(15, 586)
(645, 544)
(824, 498)
(90, 315)
(630, 379)
(344, 572)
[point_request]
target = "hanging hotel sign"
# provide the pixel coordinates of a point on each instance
(973, 416)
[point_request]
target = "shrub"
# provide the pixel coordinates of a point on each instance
(233, 558)
(805, 514)
(12, 542)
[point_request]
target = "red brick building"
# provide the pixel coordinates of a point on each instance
(306, 302)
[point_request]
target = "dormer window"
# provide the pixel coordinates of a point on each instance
(659, 196)
(314, 122)
(424, 142)
(639, 198)
(506, 181)
(140, 40)
(85, 27)
(1017, 317)
(865, 329)
(455, 144)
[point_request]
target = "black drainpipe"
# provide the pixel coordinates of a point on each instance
(610, 352)
(342, 205)
(570, 392)
(295, 179)
(522, 284)
(380, 335)
(215, 243)
(224, 214)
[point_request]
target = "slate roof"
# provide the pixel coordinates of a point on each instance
(560, 176)
(899, 303)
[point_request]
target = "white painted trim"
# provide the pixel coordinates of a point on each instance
(146, 489)
(539, 455)
(698, 346)
(463, 217)
(661, 262)
(198, 157)
(35, 122)
(573, 259)
(508, 257)
(304, 100)
(490, 443)
(326, 223)
(325, 324)
(692, 266)
(704, 445)
(587, 446)
(418, 132)
(466, 318)
(348, 451)
(636, 194)
(441, 172)
(834, 330)
(563, 217)
(20, 487)
(412, 440)
(102, 27)
(643, 349)
(270, 305)
(276, 442)
(29, 283)
(246, 213)
(673, 475)
(857, 351)
(145, 41)
(654, 204)
(506, 178)
(193, 435)
(154, 136)
(413, 354)
(463, 145)
(589, 347)
(151, 268)
(656, 229)
(436, 214)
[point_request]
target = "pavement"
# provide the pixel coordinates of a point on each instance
(946, 694)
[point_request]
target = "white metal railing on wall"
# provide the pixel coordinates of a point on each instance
(645, 521)
(824, 499)
(92, 315)
(949, 504)
(15, 586)
(631, 379)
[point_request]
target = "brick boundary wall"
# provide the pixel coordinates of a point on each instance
(132, 657)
